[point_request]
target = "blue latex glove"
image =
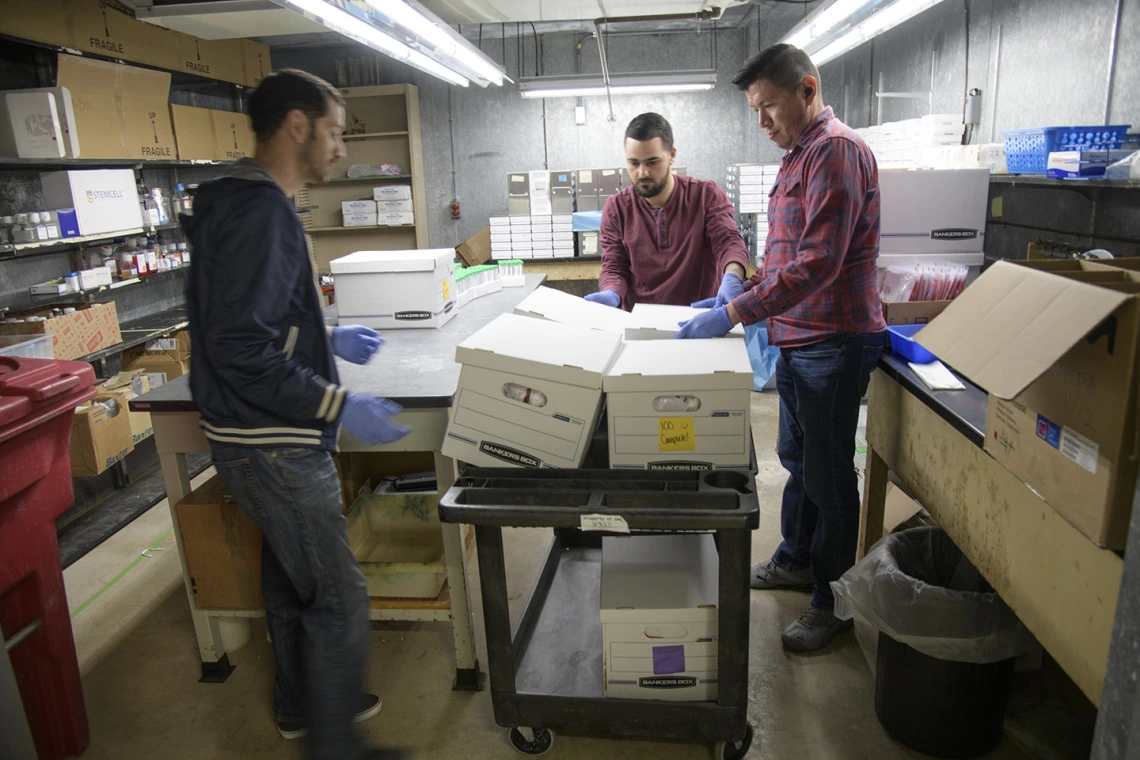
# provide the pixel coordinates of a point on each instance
(605, 298)
(356, 343)
(372, 419)
(712, 324)
(731, 286)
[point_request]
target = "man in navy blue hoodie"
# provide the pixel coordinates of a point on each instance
(265, 382)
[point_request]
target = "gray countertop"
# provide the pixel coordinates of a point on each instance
(415, 368)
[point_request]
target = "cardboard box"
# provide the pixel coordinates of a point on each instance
(222, 547)
(30, 126)
(164, 356)
(680, 405)
(477, 248)
(130, 385)
(105, 200)
(93, 326)
(392, 193)
(204, 134)
(120, 111)
(100, 436)
(396, 289)
(933, 211)
(1058, 357)
(659, 617)
(394, 207)
(530, 392)
(912, 312)
(650, 321)
(499, 221)
(360, 220)
(215, 59)
(389, 219)
(256, 62)
(556, 306)
(358, 207)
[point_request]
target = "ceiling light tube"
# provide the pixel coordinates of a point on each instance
(823, 22)
(872, 26)
(349, 25)
(616, 90)
(585, 85)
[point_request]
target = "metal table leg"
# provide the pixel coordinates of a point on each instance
(467, 675)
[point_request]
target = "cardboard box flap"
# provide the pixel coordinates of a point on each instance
(546, 350)
(667, 318)
(81, 74)
(371, 262)
(556, 306)
(685, 365)
(1013, 323)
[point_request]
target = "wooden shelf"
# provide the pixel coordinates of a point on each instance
(363, 229)
(31, 164)
(365, 179)
(403, 133)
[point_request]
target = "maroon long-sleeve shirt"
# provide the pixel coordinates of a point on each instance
(673, 255)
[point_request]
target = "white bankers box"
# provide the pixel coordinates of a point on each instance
(680, 405)
(925, 212)
(396, 289)
(659, 617)
(529, 393)
(556, 306)
(652, 321)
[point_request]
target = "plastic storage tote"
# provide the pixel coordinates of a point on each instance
(28, 346)
(37, 404)
(947, 642)
(903, 344)
(1027, 150)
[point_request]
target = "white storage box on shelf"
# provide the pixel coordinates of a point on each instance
(556, 306)
(680, 405)
(654, 321)
(392, 193)
(396, 289)
(30, 125)
(659, 617)
(530, 393)
(105, 200)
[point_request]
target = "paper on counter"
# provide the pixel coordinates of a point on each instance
(937, 377)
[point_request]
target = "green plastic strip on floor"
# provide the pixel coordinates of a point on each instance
(122, 572)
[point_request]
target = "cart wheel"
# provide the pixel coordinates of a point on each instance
(531, 741)
(734, 750)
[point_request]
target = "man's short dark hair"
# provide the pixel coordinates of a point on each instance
(783, 65)
(286, 90)
(650, 125)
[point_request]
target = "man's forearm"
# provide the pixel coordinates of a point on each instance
(734, 268)
(733, 314)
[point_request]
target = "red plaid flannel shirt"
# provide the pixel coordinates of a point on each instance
(818, 279)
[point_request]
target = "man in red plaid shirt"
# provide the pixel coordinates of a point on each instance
(817, 291)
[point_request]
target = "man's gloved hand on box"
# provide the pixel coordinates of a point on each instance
(731, 286)
(712, 324)
(606, 298)
(372, 419)
(356, 343)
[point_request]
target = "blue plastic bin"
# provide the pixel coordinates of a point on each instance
(902, 343)
(1027, 150)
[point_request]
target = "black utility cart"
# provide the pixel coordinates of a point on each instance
(547, 675)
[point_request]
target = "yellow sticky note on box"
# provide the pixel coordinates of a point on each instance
(446, 289)
(675, 434)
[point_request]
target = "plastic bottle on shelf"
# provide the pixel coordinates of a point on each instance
(20, 232)
(152, 255)
(138, 246)
(71, 281)
(150, 214)
(51, 224)
(163, 206)
(185, 202)
(184, 253)
(36, 223)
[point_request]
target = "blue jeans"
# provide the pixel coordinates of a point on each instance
(316, 603)
(820, 386)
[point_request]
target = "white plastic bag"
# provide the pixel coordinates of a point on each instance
(918, 588)
(1126, 168)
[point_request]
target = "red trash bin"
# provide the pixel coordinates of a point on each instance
(37, 403)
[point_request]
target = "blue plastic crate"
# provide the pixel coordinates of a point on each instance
(1027, 150)
(903, 344)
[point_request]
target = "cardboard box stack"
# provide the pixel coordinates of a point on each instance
(208, 135)
(1055, 345)
(396, 289)
(393, 205)
(90, 328)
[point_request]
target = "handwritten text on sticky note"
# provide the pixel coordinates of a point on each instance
(675, 434)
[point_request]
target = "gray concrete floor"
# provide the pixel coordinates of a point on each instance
(140, 665)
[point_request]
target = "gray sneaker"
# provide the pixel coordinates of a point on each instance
(814, 630)
(769, 575)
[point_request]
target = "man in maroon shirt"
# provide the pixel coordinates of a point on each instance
(667, 239)
(818, 293)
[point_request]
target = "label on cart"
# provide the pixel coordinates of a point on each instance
(1080, 449)
(609, 523)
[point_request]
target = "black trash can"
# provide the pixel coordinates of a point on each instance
(947, 643)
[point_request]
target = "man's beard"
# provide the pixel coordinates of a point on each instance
(651, 190)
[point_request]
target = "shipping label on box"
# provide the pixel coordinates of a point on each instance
(680, 405)
(658, 609)
(529, 393)
(396, 289)
(1059, 362)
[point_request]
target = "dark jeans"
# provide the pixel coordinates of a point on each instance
(316, 603)
(820, 387)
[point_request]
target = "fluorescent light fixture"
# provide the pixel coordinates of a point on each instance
(354, 27)
(423, 25)
(620, 84)
(845, 24)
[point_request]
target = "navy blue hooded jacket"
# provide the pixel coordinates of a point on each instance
(262, 371)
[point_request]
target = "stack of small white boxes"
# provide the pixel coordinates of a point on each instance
(391, 206)
(749, 186)
(532, 237)
(905, 143)
(530, 395)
